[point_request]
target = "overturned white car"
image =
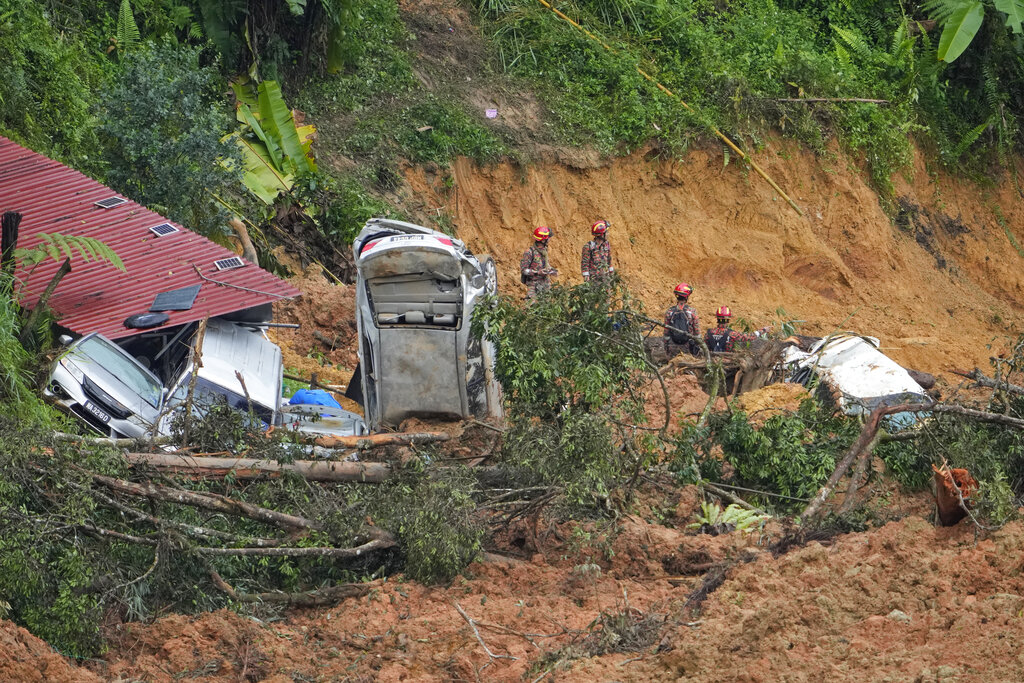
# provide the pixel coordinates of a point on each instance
(416, 289)
(855, 373)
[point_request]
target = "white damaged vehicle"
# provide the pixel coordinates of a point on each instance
(857, 375)
(98, 382)
(114, 393)
(416, 289)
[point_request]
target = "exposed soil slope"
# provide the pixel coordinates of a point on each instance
(935, 285)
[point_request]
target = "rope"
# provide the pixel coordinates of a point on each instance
(244, 289)
(716, 131)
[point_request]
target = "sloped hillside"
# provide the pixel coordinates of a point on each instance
(936, 280)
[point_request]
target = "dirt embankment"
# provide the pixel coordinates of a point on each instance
(935, 283)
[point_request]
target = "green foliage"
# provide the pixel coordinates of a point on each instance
(274, 151)
(128, 35)
(340, 207)
(575, 452)
(276, 39)
(162, 123)
(738, 63)
(572, 366)
(434, 518)
(18, 397)
(732, 518)
(960, 21)
(57, 246)
(907, 463)
(49, 81)
(572, 348)
(790, 454)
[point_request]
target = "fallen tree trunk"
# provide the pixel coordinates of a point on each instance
(316, 598)
(64, 437)
(249, 468)
(379, 440)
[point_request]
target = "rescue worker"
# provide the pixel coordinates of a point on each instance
(596, 262)
(535, 272)
(723, 337)
(681, 320)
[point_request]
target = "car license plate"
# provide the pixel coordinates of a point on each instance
(97, 412)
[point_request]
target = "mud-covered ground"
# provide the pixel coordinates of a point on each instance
(905, 602)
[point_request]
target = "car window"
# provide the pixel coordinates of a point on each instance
(109, 357)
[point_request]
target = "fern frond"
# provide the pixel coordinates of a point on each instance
(127, 30)
(967, 140)
(940, 10)
(853, 40)
(57, 246)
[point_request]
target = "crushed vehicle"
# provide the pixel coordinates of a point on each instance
(856, 375)
(104, 386)
(416, 290)
(111, 389)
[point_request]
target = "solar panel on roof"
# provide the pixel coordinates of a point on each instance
(163, 229)
(111, 202)
(229, 263)
(176, 299)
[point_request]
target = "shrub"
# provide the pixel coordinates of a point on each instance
(162, 122)
(791, 454)
(49, 81)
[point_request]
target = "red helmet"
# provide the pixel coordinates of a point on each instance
(600, 227)
(683, 290)
(541, 233)
(723, 312)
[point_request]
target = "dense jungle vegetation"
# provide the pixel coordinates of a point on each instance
(181, 104)
(136, 92)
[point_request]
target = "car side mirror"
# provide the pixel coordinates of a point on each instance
(64, 340)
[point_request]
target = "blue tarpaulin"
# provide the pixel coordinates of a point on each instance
(314, 397)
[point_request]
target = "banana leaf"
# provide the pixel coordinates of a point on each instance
(959, 30)
(273, 149)
(276, 119)
(258, 172)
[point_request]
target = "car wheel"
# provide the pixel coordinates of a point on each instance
(490, 271)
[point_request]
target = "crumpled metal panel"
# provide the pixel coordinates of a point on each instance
(95, 296)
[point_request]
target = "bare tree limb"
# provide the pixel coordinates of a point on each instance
(829, 99)
(315, 598)
(249, 468)
(479, 639)
(206, 501)
(378, 440)
(983, 381)
(333, 553)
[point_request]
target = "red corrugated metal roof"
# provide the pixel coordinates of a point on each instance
(95, 296)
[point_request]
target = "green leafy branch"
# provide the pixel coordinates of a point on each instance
(55, 246)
